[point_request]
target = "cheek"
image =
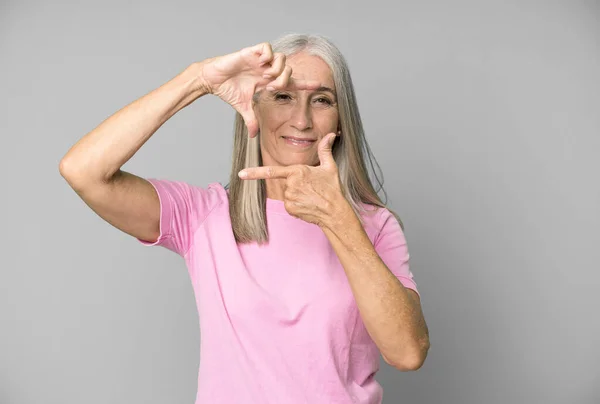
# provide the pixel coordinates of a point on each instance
(328, 121)
(272, 116)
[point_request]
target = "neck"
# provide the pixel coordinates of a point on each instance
(275, 188)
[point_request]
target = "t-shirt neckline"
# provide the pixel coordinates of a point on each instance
(276, 205)
(273, 205)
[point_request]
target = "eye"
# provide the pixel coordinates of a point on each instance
(324, 100)
(281, 96)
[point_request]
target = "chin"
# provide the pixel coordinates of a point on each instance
(297, 160)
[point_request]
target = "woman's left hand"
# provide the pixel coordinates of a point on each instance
(312, 194)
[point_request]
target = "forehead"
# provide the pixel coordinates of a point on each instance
(310, 67)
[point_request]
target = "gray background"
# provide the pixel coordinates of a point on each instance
(484, 117)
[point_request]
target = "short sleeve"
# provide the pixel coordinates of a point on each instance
(183, 207)
(391, 245)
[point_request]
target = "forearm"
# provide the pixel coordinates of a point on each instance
(391, 315)
(102, 152)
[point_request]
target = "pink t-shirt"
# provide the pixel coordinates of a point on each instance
(278, 323)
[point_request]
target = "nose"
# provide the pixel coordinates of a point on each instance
(301, 116)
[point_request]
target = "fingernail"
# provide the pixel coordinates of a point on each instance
(270, 88)
(242, 174)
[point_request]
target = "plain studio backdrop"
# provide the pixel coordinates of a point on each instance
(484, 116)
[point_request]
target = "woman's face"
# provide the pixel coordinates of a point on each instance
(306, 115)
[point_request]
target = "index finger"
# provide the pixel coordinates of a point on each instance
(297, 84)
(294, 84)
(265, 172)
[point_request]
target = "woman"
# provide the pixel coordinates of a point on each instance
(300, 273)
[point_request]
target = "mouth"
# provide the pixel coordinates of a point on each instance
(298, 141)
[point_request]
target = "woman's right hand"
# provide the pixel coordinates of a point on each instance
(236, 77)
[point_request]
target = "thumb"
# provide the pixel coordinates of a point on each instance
(252, 126)
(250, 121)
(324, 150)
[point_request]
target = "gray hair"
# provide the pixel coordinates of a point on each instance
(351, 152)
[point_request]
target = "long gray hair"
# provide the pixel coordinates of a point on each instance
(351, 152)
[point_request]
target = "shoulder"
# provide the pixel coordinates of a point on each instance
(378, 221)
(185, 193)
(376, 215)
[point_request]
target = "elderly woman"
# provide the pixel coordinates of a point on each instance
(300, 272)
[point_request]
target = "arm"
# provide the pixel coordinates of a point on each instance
(92, 167)
(391, 312)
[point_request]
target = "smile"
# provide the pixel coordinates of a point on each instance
(294, 141)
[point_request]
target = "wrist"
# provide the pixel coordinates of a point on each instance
(194, 74)
(341, 214)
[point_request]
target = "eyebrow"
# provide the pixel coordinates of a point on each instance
(322, 88)
(317, 90)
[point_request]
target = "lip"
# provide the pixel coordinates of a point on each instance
(298, 142)
(301, 139)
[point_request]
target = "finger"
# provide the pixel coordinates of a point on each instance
(250, 121)
(293, 84)
(276, 67)
(263, 51)
(297, 84)
(282, 81)
(252, 127)
(324, 150)
(266, 172)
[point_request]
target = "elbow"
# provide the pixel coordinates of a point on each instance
(411, 362)
(69, 168)
(70, 172)
(418, 360)
(65, 168)
(62, 165)
(78, 176)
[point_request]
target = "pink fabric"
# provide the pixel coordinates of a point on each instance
(278, 323)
